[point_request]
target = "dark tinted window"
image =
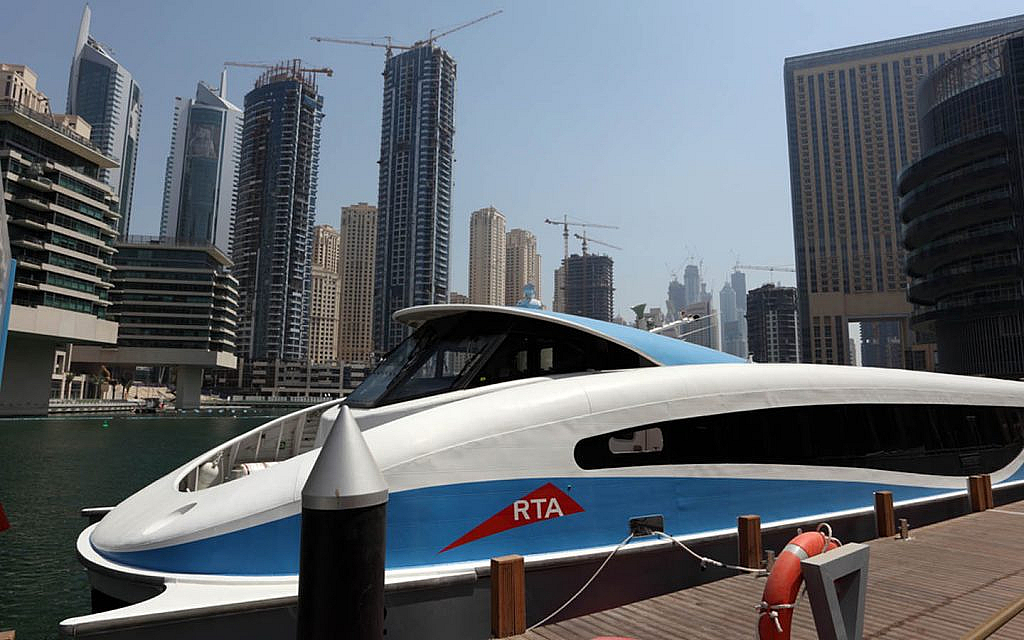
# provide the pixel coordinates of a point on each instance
(947, 440)
(475, 349)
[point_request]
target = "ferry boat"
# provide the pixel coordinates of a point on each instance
(515, 430)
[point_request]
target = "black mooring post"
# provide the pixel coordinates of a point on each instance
(341, 559)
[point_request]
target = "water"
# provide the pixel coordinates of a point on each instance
(52, 467)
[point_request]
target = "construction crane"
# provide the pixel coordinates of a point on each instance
(389, 44)
(769, 268)
(367, 43)
(296, 65)
(584, 238)
(565, 230)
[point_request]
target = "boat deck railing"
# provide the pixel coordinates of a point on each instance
(278, 440)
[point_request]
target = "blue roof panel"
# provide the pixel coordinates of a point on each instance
(662, 349)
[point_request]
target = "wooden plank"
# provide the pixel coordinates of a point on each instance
(942, 583)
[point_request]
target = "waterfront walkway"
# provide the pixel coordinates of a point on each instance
(946, 580)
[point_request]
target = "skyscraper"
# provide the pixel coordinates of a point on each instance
(558, 297)
(852, 125)
(522, 264)
(277, 183)
(732, 322)
(963, 212)
(772, 324)
(355, 273)
(415, 187)
(201, 181)
(105, 94)
(324, 290)
(691, 282)
(487, 257)
(589, 286)
(739, 287)
(676, 301)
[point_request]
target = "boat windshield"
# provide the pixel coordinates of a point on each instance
(474, 349)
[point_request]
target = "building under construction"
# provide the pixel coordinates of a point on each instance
(772, 324)
(589, 286)
(277, 185)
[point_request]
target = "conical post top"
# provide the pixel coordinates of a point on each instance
(345, 474)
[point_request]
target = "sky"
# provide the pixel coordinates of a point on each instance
(664, 118)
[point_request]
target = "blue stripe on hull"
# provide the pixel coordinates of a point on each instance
(421, 522)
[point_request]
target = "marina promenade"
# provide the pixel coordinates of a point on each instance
(943, 582)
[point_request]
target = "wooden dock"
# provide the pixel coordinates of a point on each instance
(948, 579)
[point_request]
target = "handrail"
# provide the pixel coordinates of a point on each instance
(253, 443)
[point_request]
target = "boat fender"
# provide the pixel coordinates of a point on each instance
(775, 613)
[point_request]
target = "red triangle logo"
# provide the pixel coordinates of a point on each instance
(546, 503)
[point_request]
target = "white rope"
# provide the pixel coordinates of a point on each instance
(585, 584)
(705, 561)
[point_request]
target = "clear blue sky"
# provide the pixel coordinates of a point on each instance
(665, 118)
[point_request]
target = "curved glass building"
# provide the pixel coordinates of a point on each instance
(962, 210)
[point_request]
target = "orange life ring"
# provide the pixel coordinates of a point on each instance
(775, 622)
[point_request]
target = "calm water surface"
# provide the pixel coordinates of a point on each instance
(52, 467)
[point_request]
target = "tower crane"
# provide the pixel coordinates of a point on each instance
(769, 268)
(389, 44)
(584, 238)
(564, 222)
(296, 65)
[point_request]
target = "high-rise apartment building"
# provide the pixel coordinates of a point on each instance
(415, 187)
(852, 119)
(324, 295)
(487, 257)
(326, 247)
(773, 324)
(589, 286)
(61, 220)
(201, 179)
(277, 182)
(355, 275)
(522, 264)
(558, 297)
(103, 92)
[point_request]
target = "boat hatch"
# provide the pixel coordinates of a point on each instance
(477, 348)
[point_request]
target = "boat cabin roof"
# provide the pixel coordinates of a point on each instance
(657, 349)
